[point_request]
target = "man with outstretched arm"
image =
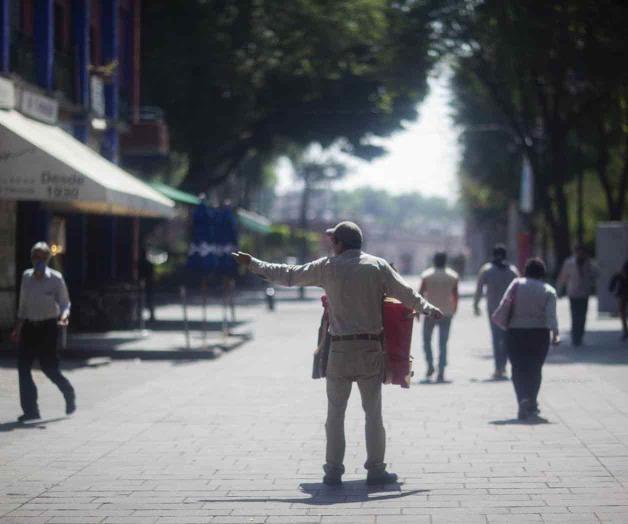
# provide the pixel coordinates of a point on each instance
(355, 283)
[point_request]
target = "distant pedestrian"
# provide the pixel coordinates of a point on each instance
(619, 286)
(147, 278)
(44, 305)
(578, 277)
(439, 286)
(528, 312)
(355, 284)
(494, 278)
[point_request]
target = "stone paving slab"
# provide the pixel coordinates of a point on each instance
(240, 439)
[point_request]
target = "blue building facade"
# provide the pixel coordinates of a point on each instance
(75, 64)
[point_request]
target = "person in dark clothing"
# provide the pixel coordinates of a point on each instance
(44, 306)
(619, 287)
(529, 307)
(494, 278)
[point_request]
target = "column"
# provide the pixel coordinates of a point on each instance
(5, 36)
(44, 42)
(110, 49)
(80, 33)
(110, 146)
(135, 60)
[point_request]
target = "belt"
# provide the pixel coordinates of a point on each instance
(39, 322)
(359, 336)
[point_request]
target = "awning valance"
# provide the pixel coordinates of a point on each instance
(44, 163)
(254, 222)
(247, 219)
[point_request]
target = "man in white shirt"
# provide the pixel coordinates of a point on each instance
(578, 277)
(439, 286)
(44, 305)
(355, 283)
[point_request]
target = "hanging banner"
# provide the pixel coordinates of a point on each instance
(214, 237)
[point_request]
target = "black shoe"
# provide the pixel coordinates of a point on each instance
(524, 409)
(430, 371)
(28, 416)
(70, 404)
(499, 374)
(441, 376)
(332, 480)
(377, 479)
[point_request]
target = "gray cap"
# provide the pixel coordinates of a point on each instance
(348, 233)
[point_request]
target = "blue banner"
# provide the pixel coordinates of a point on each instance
(214, 237)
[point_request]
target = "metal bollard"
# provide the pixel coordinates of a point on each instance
(184, 303)
(143, 330)
(270, 298)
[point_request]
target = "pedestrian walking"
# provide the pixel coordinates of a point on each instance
(578, 277)
(619, 286)
(44, 305)
(493, 279)
(355, 284)
(146, 271)
(439, 286)
(528, 313)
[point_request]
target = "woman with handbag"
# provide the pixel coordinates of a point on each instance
(528, 312)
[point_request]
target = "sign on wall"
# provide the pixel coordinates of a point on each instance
(7, 94)
(39, 107)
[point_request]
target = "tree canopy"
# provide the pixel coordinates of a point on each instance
(251, 77)
(548, 79)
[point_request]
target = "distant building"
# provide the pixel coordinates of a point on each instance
(70, 120)
(410, 251)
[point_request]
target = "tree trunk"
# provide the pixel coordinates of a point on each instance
(562, 233)
(623, 186)
(580, 206)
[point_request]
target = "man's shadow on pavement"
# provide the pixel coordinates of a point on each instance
(350, 491)
(428, 382)
(39, 424)
(532, 421)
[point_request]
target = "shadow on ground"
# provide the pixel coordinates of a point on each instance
(38, 424)
(193, 325)
(321, 495)
(532, 421)
(10, 362)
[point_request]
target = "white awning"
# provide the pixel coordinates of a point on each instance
(44, 163)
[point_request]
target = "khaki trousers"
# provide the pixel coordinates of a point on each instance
(362, 362)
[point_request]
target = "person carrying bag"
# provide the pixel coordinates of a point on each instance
(527, 312)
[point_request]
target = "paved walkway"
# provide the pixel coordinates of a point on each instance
(240, 439)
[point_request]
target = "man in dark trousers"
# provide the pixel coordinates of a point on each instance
(355, 284)
(44, 306)
(495, 277)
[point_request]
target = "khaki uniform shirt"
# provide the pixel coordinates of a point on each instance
(439, 286)
(355, 284)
